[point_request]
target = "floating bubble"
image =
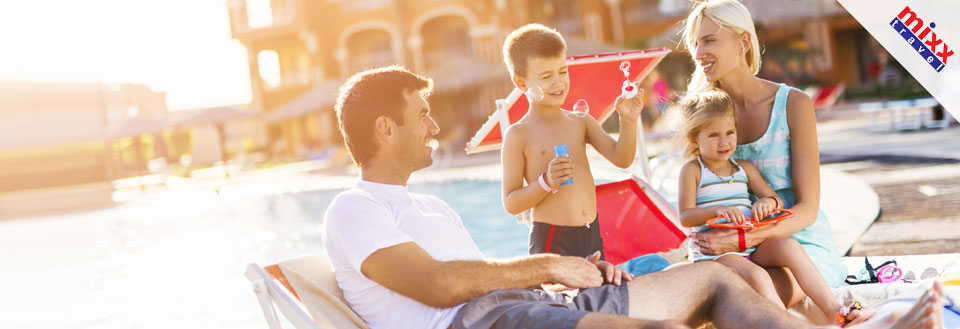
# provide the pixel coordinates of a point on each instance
(581, 106)
(534, 95)
(434, 143)
(625, 68)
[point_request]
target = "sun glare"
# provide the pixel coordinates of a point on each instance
(182, 47)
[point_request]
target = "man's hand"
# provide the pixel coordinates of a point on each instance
(629, 109)
(611, 273)
(575, 272)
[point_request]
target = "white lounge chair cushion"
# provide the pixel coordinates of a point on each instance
(312, 278)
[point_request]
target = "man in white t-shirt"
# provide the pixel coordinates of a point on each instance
(404, 260)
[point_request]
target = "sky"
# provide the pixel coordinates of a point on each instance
(181, 47)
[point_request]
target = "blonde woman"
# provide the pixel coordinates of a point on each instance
(777, 133)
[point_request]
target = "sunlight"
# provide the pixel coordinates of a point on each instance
(183, 47)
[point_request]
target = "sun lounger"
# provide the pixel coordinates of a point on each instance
(825, 97)
(305, 292)
(909, 114)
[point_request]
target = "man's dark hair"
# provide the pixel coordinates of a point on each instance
(371, 94)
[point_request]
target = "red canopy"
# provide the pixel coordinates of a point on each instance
(635, 221)
(594, 78)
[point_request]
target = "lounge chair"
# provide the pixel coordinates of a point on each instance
(305, 292)
(825, 97)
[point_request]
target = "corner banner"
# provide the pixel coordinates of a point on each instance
(923, 36)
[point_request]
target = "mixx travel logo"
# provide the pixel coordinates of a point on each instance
(907, 24)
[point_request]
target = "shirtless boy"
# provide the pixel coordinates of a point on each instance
(564, 216)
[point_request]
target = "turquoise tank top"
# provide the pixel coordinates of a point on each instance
(771, 155)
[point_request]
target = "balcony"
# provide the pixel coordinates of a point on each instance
(258, 19)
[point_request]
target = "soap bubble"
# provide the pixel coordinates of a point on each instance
(581, 106)
(535, 95)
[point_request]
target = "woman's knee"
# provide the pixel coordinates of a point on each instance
(782, 243)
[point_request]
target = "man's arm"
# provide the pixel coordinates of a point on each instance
(622, 151)
(516, 197)
(410, 271)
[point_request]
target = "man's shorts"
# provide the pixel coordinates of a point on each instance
(580, 241)
(535, 308)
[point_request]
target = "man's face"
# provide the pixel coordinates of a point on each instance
(416, 132)
(550, 75)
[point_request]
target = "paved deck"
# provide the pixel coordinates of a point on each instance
(916, 175)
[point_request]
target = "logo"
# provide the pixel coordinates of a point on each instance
(937, 53)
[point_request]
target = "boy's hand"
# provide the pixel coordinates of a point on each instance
(559, 171)
(732, 214)
(629, 108)
(763, 208)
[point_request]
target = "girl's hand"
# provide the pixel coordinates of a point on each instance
(762, 208)
(732, 214)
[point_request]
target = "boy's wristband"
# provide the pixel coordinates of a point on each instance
(777, 201)
(543, 184)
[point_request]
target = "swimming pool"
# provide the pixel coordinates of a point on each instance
(478, 203)
(176, 260)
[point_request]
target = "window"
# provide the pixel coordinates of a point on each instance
(259, 13)
(268, 65)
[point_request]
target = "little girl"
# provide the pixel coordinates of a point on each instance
(715, 185)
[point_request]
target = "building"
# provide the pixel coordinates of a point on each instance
(55, 134)
(301, 47)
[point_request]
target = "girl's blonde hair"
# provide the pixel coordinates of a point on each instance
(732, 16)
(699, 109)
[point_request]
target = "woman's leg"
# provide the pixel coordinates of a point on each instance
(786, 252)
(755, 275)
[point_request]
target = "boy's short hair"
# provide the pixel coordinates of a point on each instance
(531, 40)
(368, 95)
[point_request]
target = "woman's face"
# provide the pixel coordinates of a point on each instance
(718, 51)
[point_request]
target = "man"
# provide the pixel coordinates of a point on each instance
(404, 260)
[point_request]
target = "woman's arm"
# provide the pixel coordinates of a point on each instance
(805, 159)
(767, 197)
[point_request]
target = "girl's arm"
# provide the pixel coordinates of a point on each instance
(805, 159)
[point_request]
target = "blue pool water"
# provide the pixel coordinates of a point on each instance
(478, 203)
(495, 232)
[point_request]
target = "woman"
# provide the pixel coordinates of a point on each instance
(777, 132)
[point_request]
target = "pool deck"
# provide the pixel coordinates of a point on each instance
(916, 175)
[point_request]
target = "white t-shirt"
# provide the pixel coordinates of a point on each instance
(372, 216)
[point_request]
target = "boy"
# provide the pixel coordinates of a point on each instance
(564, 217)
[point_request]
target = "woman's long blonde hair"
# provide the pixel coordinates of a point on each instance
(732, 16)
(699, 109)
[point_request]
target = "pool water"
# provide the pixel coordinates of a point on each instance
(176, 260)
(478, 203)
